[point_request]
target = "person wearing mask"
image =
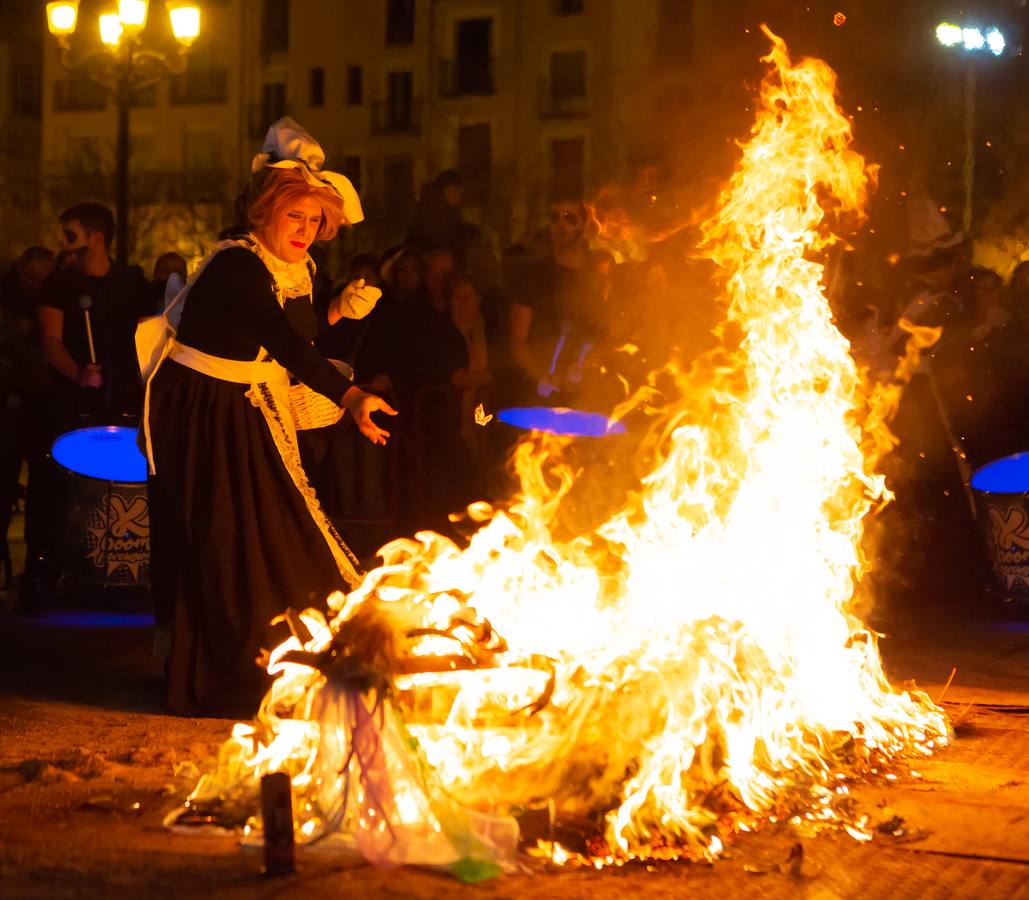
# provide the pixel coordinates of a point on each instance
(556, 309)
(87, 317)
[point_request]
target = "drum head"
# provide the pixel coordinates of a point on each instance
(1009, 475)
(108, 453)
(560, 420)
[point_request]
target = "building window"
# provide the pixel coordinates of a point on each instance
(355, 85)
(568, 74)
(399, 22)
(567, 166)
(273, 103)
(275, 26)
(202, 84)
(567, 7)
(26, 86)
(77, 93)
(399, 114)
(473, 65)
(316, 87)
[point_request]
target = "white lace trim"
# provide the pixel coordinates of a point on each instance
(291, 279)
(261, 396)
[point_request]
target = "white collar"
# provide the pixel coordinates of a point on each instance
(290, 279)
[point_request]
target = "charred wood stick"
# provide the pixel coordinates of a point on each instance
(296, 625)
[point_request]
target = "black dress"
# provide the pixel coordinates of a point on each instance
(233, 540)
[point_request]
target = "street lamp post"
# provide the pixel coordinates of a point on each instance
(124, 64)
(974, 41)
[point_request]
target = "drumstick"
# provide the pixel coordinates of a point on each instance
(586, 347)
(565, 328)
(85, 302)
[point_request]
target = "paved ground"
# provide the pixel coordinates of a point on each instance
(89, 765)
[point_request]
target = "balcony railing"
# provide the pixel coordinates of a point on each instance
(457, 78)
(396, 118)
(188, 186)
(560, 106)
(200, 87)
(76, 93)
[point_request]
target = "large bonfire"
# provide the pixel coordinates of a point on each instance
(691, 667)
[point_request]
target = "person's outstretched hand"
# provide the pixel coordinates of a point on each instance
(361, 405)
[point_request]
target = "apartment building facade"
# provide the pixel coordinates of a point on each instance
(519, 95)
(21, 84)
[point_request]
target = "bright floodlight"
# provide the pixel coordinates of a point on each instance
(110, 29)
(132, 14)
(60, 18)
(970, 38)
(973, 38)
(995, 41)
(185, 21)
(948, 35)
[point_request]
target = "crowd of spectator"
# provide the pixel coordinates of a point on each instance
(461, 324)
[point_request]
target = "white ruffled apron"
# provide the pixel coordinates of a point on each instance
(268, 390)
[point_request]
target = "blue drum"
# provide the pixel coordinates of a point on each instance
(103, 537)
(560, 420)
(1001, 491)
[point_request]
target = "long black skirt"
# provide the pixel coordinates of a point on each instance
(233, 543)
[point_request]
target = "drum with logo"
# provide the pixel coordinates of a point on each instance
(102, 532)
(1001, 490)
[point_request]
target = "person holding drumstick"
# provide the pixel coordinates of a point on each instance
(87, 316)
(557, 307)
(87, 311)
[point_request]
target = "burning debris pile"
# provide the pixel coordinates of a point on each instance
(691, 668)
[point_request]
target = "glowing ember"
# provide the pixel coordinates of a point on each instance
(693, 666)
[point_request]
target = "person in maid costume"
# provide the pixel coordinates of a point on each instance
(237, 534)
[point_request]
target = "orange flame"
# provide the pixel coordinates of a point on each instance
(692, 666)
